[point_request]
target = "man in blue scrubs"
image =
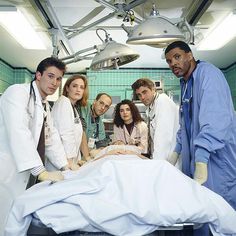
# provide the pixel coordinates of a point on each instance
(206, 139)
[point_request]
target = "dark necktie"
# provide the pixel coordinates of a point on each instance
(41, 151)
(149, 135)
(41, 143)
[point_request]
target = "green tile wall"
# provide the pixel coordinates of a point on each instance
(6, 76)
(22, 76)
(9, 76)
(114, 82)
(118, 82)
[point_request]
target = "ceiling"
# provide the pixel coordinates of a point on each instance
(72, 17)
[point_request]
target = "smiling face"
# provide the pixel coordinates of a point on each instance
(48, 81)
(125, 114)
(180, 62)
(145, 95)
(75, 90)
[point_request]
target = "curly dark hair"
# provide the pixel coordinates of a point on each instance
(134, 112)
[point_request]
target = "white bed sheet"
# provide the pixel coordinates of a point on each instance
(121, 195)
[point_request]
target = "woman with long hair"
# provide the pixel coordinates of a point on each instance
(129, 126)
(67, 119)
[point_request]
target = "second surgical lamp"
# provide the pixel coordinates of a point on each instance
(159, 31)
(108, 55)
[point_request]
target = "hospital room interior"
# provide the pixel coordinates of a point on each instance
(147, 144)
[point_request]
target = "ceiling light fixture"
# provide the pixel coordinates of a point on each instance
(220, 34)
(109, 55)
(159, 31)
(112, 54)
(18, 26)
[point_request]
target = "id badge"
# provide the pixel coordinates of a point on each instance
(47, 133)
(91, 143)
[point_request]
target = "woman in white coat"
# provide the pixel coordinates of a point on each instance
(67, 119)
(129, 126)
(21, 122)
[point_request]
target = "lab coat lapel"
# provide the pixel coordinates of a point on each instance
(38, 112)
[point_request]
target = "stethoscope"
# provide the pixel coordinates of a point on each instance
(135, 138)
(186, 100)
(149, 117)
(31, 93)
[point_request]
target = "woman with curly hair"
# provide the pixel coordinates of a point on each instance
(129, 126)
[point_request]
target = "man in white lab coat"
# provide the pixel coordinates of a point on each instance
(162, 115)
(22, 120)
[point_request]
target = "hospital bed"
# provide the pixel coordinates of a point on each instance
(121, 195)
(38, 229)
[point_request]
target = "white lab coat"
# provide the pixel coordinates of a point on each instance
(21, 119)
(139, 134)
(70, 131)
(164, 123)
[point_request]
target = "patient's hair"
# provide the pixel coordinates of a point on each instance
(134, 112)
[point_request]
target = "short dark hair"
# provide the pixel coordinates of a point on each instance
(178, 44)
(100, 94)
(134, 112)
(142, 82)
(51, 61)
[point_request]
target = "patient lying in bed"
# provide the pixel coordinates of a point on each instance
(118, 148)
(121, 195)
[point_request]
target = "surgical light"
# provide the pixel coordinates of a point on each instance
(112, 54)
(108, 55)
(158, 31)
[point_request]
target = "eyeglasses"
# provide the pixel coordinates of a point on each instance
(101, 103)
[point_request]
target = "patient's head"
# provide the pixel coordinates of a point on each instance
(118, 142)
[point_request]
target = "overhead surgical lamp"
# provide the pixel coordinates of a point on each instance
(109, 55)
(159, 31)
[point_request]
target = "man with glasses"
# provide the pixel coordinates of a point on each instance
(207, 134)
(92, 113)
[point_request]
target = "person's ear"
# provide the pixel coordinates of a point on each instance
(190, 56)
(94, 102)
(38, 75)
(67, 88)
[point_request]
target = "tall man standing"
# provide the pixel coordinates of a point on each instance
(27, 134)
(207, 134)
(162, 116)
